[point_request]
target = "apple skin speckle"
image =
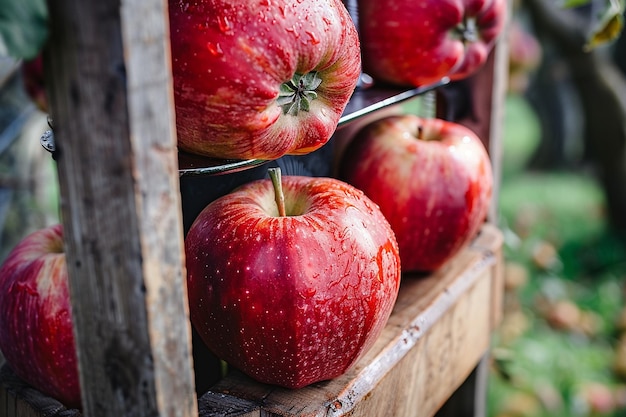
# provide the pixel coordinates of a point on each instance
(297, 299)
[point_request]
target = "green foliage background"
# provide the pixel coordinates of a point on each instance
(23, 27)
(543, 370)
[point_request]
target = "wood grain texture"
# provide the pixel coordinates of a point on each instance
(18, 399)
(110, 93)
(111, 101)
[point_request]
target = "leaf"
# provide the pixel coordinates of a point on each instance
(23, 27)
(609, 26)
(607, 31)
(574, 3)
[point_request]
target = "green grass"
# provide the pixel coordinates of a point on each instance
(550, 369)
(522, 133)
(555, 206)
(566, 210)
(544, 370)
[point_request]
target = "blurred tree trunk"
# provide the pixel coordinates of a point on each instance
(601, 88)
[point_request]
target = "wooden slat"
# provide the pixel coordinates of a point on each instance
(112, 107)
(108, 68)
(439, 330)
(13, 406)
(18, 399)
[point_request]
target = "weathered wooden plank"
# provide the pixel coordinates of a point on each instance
(153, 137)
(110, 90)
(226, 405)
(439, 362)
(439, 330)
(18, 399)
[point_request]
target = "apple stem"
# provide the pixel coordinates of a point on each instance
(420, 132)
(470, 31)
(467, 31)
(279, 195)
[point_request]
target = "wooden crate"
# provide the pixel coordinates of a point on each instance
(113, 113)
(438, 332)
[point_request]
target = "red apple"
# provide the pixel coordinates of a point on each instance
(34, 82)
(297, 298)
(261, 79)
(525, 54)
(432, 180)
(36, 336)
(525, 51)
(416, 43)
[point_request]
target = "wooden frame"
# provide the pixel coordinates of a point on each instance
(111, 103)
(113, 117)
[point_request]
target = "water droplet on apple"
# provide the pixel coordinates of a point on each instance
(313, 38)
(292, 30)
(214, 49)
(224, 24)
